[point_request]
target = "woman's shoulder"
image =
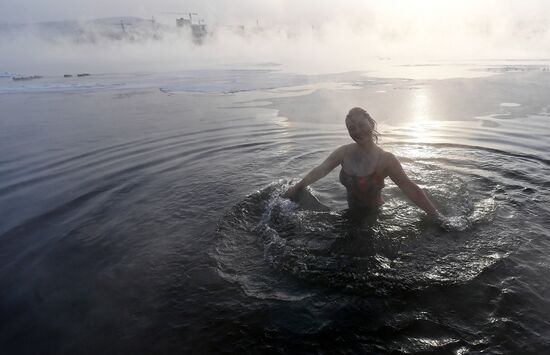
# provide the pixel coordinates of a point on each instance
(348, 146)
(386, 155)
(343, 149)
(339, 154)
(388, 159)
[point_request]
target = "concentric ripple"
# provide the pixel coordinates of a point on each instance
(144, 222)
(267, 243)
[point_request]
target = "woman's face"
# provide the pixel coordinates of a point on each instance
(359, 128)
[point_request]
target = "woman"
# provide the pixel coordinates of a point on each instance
(364, 167)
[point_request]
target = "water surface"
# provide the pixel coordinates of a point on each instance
(145, 216)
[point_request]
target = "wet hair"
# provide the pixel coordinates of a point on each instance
(358, 111)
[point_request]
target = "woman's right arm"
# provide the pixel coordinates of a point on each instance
(333, 160)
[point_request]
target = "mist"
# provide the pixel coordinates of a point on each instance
(309, 36)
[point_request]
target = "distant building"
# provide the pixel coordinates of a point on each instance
(198, 31)
(183, 22)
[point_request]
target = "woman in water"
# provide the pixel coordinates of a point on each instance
(364, 167)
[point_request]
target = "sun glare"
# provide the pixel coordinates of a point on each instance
(420, 103)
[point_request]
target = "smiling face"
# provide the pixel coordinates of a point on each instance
(359, 127)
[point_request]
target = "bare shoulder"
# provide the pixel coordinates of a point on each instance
(337, 156)
(388, 157)
(389, 161)
(343, 149)
(347, 146)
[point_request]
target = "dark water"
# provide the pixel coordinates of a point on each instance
(141, 221)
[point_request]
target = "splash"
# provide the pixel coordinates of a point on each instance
(397, 250)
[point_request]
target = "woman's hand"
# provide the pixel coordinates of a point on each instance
(439, 219)
(455, 223)
(292, 192)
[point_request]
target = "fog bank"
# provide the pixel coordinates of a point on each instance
(307, 36)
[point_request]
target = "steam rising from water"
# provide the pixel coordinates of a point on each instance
(355, 35)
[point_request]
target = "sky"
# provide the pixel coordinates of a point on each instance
(276, 11)
(336, 35)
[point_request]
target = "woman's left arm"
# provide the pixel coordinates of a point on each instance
(409, 188)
